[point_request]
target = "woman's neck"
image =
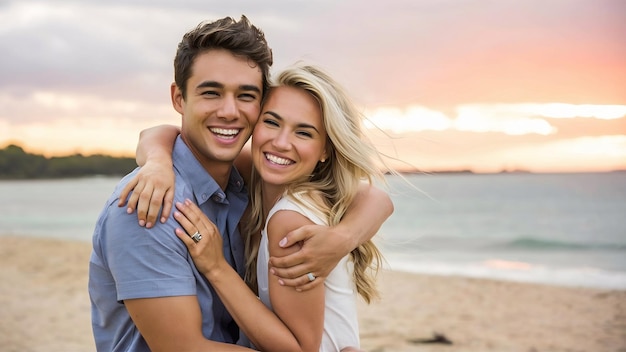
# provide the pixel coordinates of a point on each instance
(270, 194)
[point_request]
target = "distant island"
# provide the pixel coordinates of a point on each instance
(429, 172)
(461, 171)
(15, 163)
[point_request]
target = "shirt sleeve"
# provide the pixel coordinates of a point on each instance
(146, 263)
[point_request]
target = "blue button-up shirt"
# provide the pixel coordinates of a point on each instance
(129, 261)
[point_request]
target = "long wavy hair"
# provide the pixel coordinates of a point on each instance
(332, 187)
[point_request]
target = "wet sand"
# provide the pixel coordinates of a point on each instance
(45, 307)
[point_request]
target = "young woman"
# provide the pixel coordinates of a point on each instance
(309, 158)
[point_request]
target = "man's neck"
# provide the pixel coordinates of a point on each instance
(220, 173)
(219, 170)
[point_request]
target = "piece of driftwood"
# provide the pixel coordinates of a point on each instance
(437, 338)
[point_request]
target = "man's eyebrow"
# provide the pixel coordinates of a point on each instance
(300, 125)
(250, 87)
(215, 84)
(210, 84)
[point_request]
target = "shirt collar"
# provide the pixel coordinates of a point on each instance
(201, 182)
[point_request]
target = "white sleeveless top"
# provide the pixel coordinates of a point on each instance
(341, 327)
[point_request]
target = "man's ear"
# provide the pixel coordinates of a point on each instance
(177, 98)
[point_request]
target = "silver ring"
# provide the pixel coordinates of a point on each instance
(310, 276)
(196, 237)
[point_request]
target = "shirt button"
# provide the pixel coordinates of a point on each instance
(204, 196)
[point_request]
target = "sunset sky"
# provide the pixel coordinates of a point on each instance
(486, 85)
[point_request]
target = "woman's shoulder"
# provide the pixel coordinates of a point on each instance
(299, 204)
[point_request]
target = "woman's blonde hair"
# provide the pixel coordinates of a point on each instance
(332, 187)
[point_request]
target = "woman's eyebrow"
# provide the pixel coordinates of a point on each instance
(300, 125)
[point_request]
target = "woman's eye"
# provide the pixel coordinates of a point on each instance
(270, 122)
(305, 134)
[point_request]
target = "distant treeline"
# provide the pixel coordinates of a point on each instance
(15, 163)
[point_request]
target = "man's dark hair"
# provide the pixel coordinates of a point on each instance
(241, 38)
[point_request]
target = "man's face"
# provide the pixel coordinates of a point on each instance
(222, 106)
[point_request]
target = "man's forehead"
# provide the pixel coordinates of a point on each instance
(225, 67)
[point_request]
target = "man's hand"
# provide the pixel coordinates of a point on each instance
(322, 248)
(152, 187)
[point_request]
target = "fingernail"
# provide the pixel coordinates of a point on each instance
(142, 222)
(283, 242)
(281, 282)
(163, 220)
(129, 210)
(299, 290)
(149, 225)
(272, 271)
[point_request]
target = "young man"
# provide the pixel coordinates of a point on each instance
(145, 290)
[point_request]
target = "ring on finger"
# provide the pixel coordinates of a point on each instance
(196, 237)
(310, 276)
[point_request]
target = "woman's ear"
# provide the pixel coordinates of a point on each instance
(324, 156)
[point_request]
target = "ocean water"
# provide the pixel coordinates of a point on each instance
(558, 229)
(562, 229)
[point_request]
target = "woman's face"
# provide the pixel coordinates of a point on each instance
(289, 139)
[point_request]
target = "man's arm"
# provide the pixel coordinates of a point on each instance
(323, 247)
(173, 324)
(154, 279)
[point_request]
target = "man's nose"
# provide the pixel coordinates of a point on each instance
(228, 109)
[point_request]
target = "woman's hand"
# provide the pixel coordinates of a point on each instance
(322, 247)
(207, 251)
(152, 186)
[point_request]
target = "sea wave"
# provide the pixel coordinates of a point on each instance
(491, 244)
(544, 244)
(498, 269)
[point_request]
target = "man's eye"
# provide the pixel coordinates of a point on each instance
(210, 93)
(248, 97)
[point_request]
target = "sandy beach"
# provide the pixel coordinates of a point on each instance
(45, 307)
